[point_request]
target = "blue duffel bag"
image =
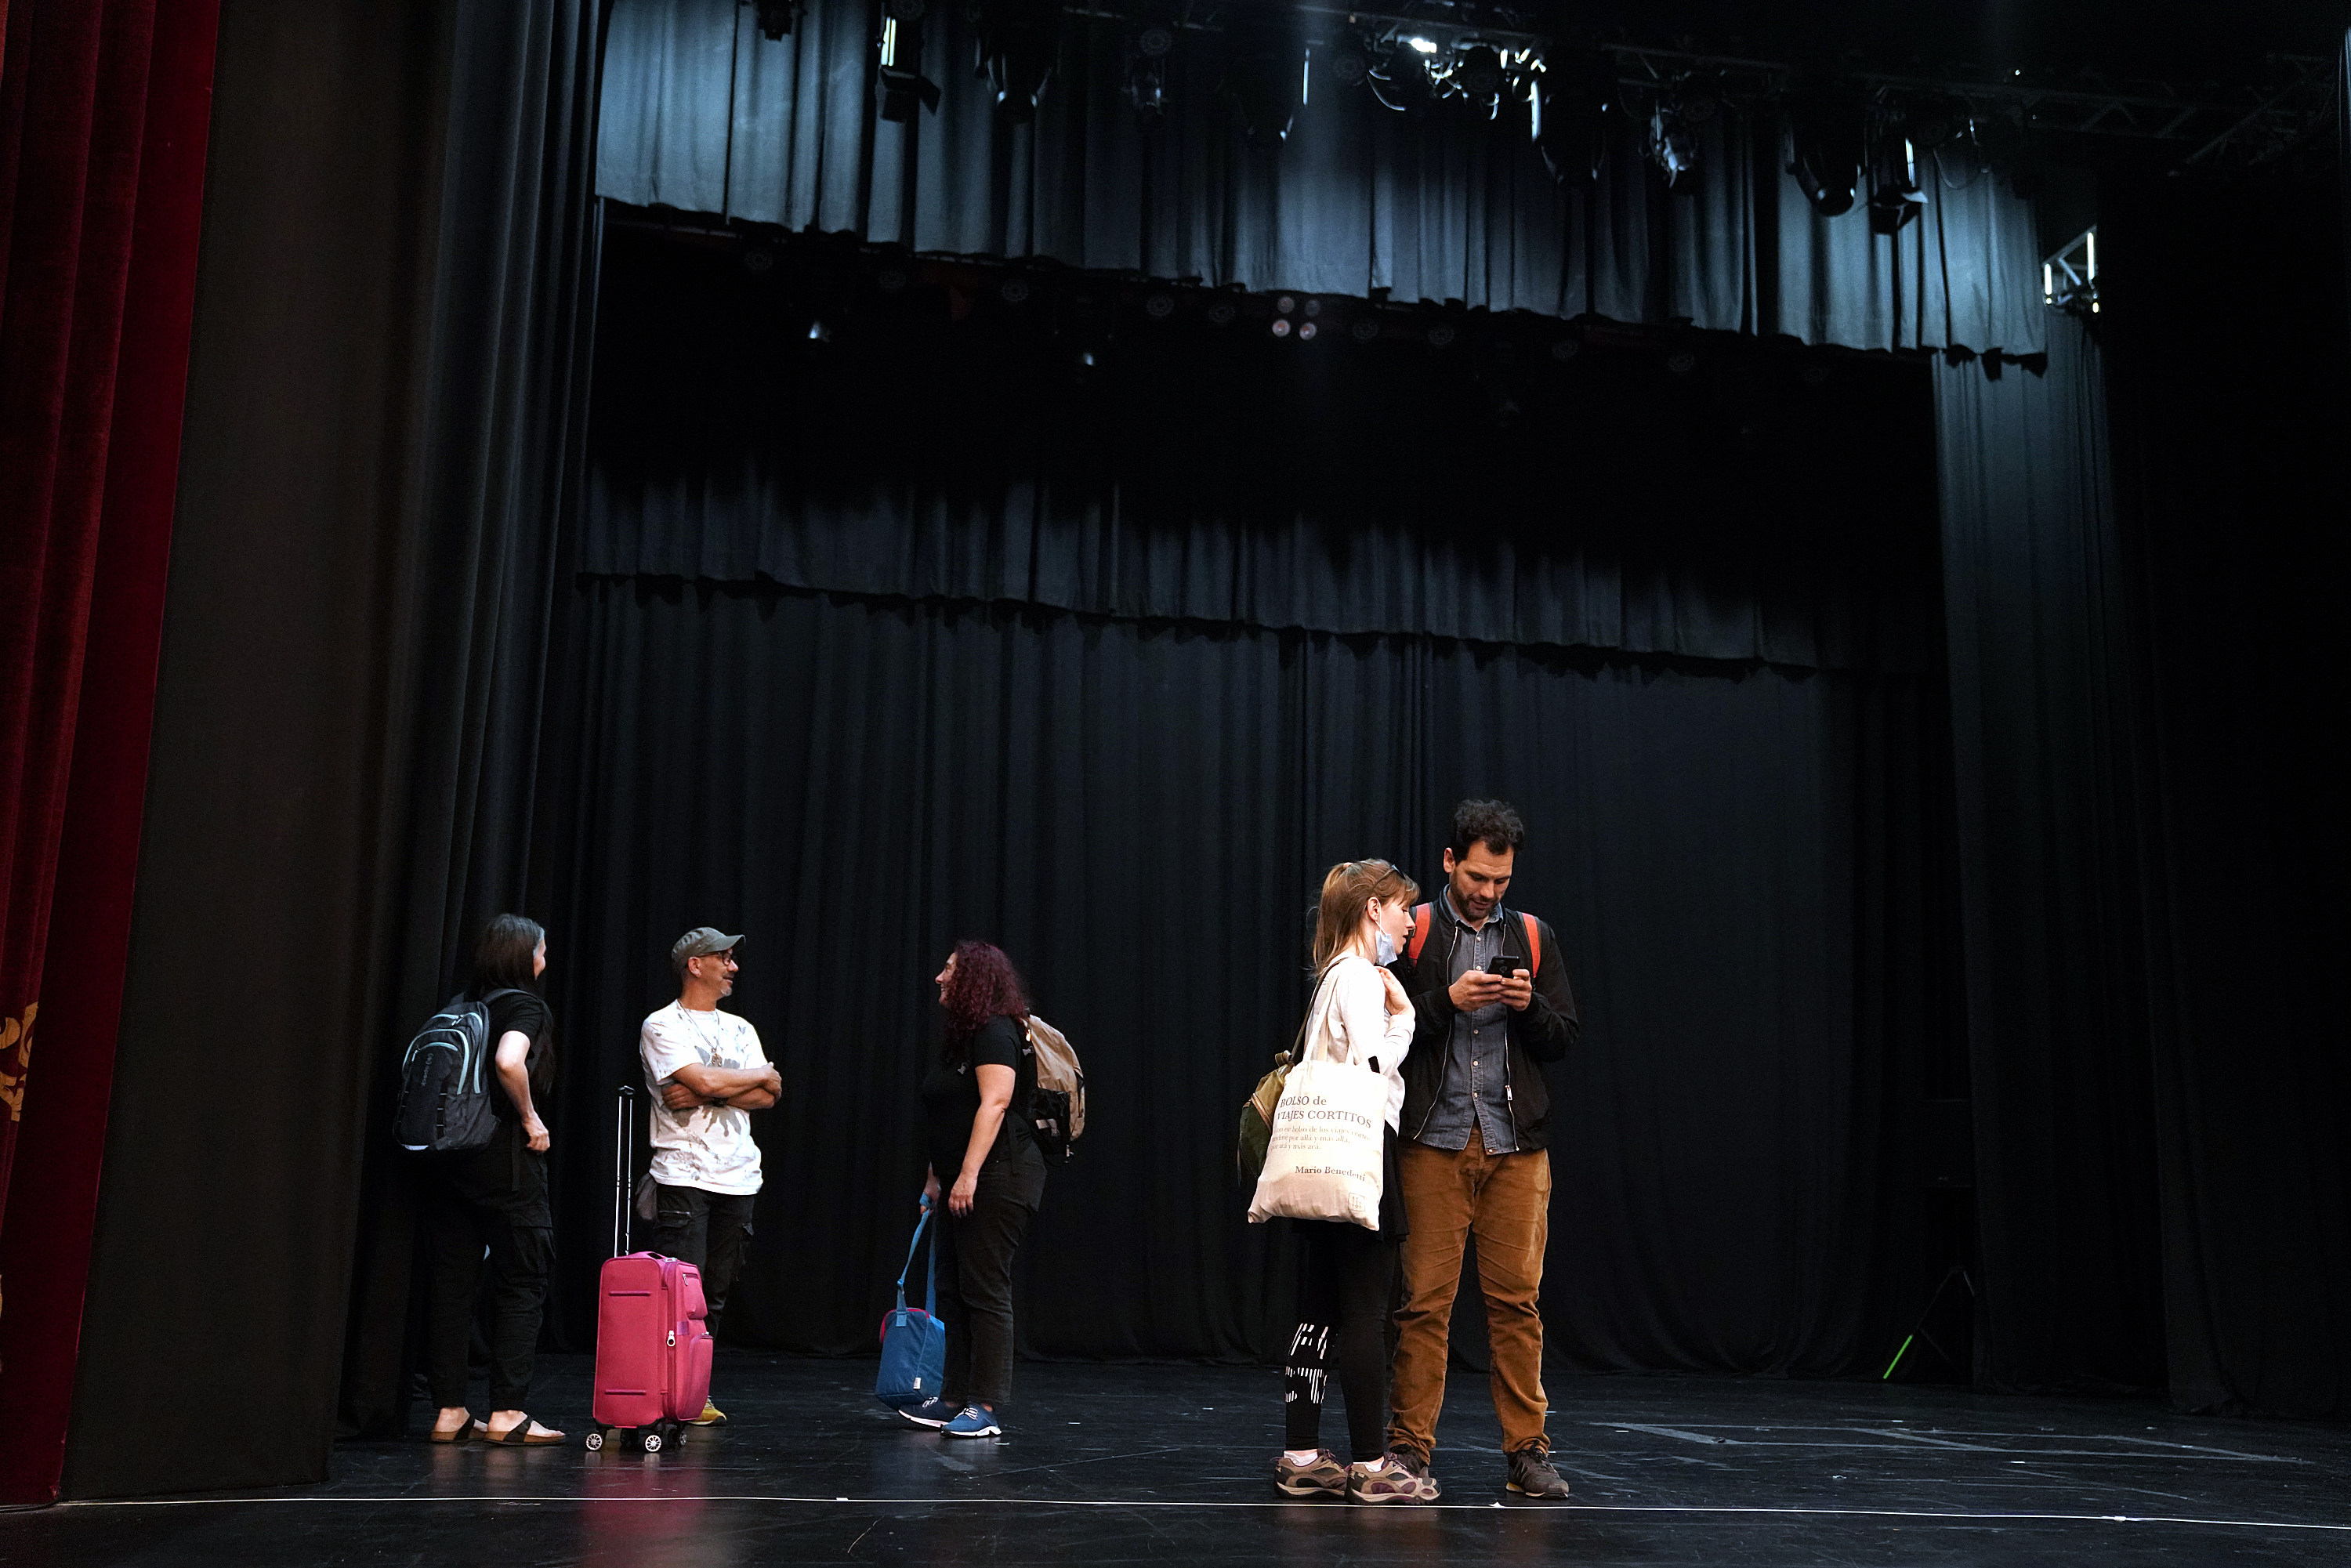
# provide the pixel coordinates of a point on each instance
(913, 1341)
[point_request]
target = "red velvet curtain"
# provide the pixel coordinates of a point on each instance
(104, 106)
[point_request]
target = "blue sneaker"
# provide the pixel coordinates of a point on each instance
(931, 1415)
(975, 1421)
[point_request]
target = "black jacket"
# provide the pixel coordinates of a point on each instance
(1542, 1033)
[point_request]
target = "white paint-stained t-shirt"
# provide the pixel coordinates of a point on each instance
(708, 1146)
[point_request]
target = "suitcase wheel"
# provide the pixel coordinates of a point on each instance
(596, 1440)
(652, 1440)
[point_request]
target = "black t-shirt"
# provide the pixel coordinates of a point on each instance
(951, 1099)
(524, 1011)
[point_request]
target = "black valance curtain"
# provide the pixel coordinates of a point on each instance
(1756, 509)
(701, 113)
(1740, 865)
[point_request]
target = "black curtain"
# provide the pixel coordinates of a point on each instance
(1747, 861)
(703, 114)
(1739, 864)
(806, 426)
(390, 327)
(2046, 769)
(2228, 444)
(2152, 850)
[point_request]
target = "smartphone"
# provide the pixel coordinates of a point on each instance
(1504, 965)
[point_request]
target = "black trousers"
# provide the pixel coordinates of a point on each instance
(493, 1201)
(1346, 1280)
(975, 1258)
(711, 1230)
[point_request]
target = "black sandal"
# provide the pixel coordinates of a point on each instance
(520, 1435)
(465, 1432)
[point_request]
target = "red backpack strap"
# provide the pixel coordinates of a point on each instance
(1419, 933)
(1534, 944)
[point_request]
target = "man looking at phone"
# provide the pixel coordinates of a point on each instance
(1491, 990)
(707, 1072)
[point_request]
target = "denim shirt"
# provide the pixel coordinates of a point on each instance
(1477, 1068)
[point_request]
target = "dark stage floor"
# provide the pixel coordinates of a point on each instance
(1109, 1465)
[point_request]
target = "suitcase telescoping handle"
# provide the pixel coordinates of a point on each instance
(624, 1123)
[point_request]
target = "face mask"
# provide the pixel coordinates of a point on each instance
(1383, 948)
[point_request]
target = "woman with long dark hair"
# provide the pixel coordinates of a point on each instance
(1346, 1272)
(985, 1161)
(494, 1199)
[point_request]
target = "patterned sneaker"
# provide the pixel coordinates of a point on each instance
(1404, 1478)
(931, 1415)
(711, 1416)
(1533, 1476)
(976, 1421)
(1326, 1477)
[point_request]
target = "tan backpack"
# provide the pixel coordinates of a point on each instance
(1059, 1106)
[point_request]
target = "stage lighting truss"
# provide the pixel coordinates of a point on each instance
(2069, 279)
(1411, 59)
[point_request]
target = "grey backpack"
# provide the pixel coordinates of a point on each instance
(446, 1088)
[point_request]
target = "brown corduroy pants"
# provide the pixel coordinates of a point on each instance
(1505, 1201)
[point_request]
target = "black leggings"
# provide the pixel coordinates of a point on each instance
(1345, 1280)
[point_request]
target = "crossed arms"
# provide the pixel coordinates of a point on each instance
(744, 1088)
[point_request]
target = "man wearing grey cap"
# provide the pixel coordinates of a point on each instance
(707, 1073)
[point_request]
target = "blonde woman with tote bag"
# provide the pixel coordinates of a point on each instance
(1329, 1180)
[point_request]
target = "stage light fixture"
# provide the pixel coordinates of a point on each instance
(758, 259)
(1401, 80)
(1420, 46)
(1566, 348)
(1932, 122)
(898, 62)
(1013, 291)
(1893, 195)
(1477, 76)
(1682, 361)
(1306, 331)
(1018, 44)
(1825, 126)
(1673, 140)
(1222, 313)
(1147, 49)
(1282, 326)
(1159, 305)
(776, 17)
(1347, 59)
(1440, 336)
(1570, 107)
(1265, 76)
(820, 331)
(1284, 304)
(1146, 89)
(1363, 328)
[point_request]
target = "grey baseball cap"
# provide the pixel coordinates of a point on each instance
(700, 943)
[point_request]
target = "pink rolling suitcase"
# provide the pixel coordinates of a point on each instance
(652, 1351)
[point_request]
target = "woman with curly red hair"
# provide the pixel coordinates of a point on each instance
(983, 1155)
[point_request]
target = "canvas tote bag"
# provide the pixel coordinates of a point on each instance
(1323, 1158)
